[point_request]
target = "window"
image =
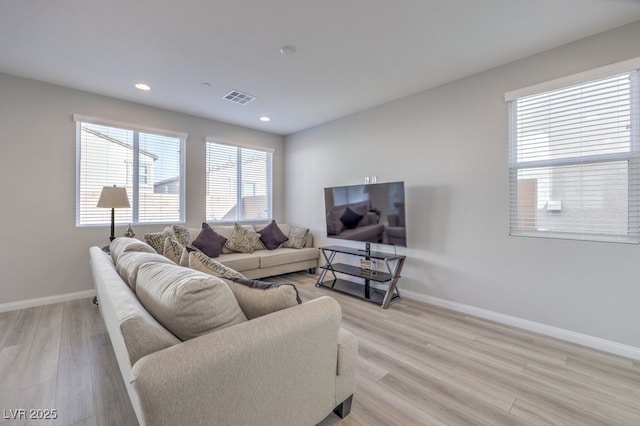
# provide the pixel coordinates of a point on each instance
(238, 183)
(574, 157)
(148, 163)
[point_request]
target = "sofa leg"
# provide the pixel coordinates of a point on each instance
(344, 409)
(312, 271)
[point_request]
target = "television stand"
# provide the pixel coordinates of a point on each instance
(378, 287)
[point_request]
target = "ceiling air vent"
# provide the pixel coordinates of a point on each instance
(239, 97)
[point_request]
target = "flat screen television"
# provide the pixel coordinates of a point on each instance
(372, 213)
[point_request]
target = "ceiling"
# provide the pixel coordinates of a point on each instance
(350, 54)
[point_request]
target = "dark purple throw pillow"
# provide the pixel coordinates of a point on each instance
(271, 236)
(350, 218)
(209, 241)
(265, 285)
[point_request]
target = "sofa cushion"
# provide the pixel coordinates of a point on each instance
(143, 338)
(203, 263)
(283, 256)
(142, 334)
(125, 244)
(242, 239)
(129, 263)
(209, 241)
(257, 298)
(242, 261)
(172, 249)
(271, 236)
(297, 238)
(226, 232)
(186, 302)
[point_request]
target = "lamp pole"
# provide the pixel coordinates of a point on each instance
(113, 224)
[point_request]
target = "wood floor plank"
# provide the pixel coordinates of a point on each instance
(7, 321)
(74, 390)
(42, 360)
(110, 395)
(625, 398)
(41, 399)
(23, 328)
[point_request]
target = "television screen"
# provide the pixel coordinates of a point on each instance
(373, 213)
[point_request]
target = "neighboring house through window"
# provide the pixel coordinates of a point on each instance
(148, 163)
(238, 186)
(574, 158)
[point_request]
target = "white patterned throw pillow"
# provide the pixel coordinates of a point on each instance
(203, 263)
(242, 239)
(297, 238)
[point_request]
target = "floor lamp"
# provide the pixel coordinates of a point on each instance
(113, 197)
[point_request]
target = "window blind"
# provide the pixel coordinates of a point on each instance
(238, 183)
(148, 165)
(573, 161)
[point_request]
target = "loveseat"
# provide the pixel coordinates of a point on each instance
(296, 254)
(291, 366)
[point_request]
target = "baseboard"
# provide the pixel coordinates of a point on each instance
(40, 301)
(547, 330)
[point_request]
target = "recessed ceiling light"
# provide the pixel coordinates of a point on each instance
(265, 118)
(142, 86)
(288, 50)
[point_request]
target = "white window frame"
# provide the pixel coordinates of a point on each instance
(133, 197)
(238, 173)
(632, 156)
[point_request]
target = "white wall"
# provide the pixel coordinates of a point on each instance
(449, 145)
(42, 253)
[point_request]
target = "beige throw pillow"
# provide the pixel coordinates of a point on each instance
(257, 298)
(186, 302)
(156, 239)
(172, 249)
(242, 240)
(297, 238)
(181, 234)
(203, 263)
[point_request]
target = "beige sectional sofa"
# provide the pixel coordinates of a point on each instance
(293, 366)
(261, 262)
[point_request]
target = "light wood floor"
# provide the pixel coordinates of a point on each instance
(418, 364)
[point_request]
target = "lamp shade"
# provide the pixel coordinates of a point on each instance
(113, 197)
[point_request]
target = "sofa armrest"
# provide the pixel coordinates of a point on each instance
(247, 373)
(347, 351)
